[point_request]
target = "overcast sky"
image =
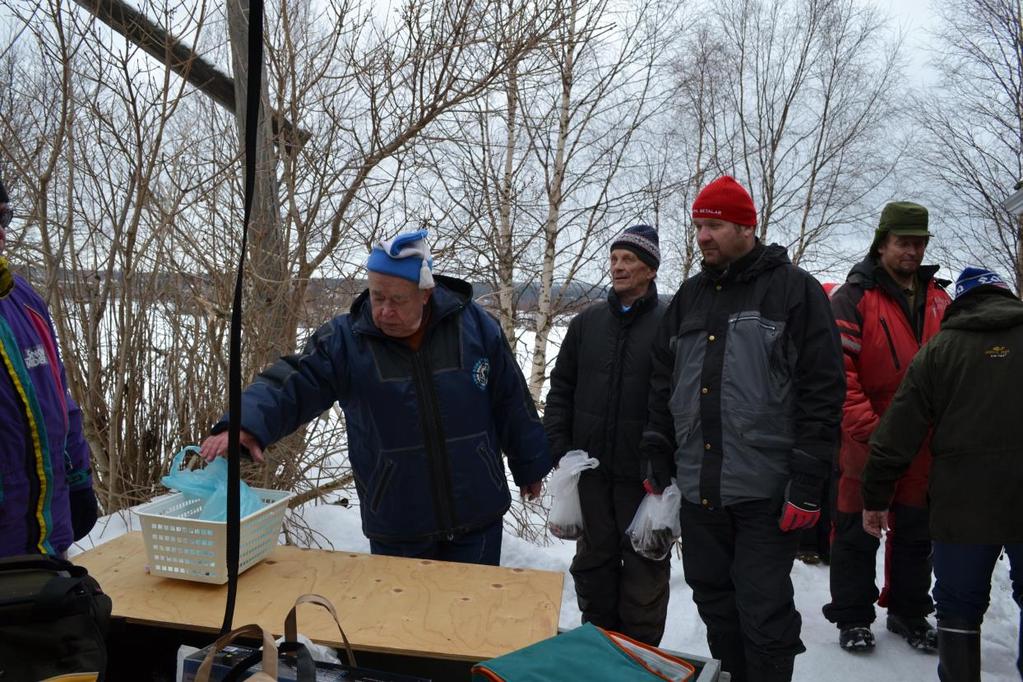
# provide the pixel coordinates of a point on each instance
(918, 21)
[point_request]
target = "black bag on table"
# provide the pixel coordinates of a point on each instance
(53, 619)
(295, 665)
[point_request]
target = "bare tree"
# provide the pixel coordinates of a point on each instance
(812, 89)
(973, 130)
(90, 188)
(481, 193)
(534, 177)
(267, 268)
(686, 144)
(581, 132)
(133, 200)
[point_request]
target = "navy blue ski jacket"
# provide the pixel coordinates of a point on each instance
(426, 428)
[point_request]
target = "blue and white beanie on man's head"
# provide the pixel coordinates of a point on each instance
(406, 256)
(642, 240)
(972, 277)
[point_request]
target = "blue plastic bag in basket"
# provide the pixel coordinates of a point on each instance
(209, 485)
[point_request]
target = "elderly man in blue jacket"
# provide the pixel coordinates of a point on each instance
(432, 396)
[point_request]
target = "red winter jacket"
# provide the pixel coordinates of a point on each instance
(879, 339)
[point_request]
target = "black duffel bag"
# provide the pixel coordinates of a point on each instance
(53, 619)
(290, 661)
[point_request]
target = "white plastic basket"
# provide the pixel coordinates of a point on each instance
(181, 546)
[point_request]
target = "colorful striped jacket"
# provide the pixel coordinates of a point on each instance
(43, 453)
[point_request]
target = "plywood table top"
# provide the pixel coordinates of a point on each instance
(412, 607)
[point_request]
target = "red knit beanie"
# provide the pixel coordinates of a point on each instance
(725, 199)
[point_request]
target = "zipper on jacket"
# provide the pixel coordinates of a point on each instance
(754, 318)
(891, 344)
(433, 439)
(615, 395)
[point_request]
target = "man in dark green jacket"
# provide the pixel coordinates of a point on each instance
(964, 388)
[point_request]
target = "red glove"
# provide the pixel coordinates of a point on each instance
(802, 506)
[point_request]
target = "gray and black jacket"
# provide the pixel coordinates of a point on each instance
(747, 383)
(600, 383)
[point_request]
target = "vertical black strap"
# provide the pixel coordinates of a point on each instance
(252, 102)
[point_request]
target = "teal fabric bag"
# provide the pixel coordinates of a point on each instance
(586, 653)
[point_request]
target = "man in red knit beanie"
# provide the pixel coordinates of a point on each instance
(745, 404)
(726, 200)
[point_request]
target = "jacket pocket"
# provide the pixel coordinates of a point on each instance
(381, 482)
(689, 349)
(756, 370)
(891, 344)
(492, 462)
(479, 485)
(685, 425)
(474, 461)
(763, 430)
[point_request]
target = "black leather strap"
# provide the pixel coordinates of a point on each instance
(252, 103)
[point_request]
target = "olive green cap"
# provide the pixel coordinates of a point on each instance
(903, 218)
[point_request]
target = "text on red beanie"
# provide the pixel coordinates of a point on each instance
(725, 199)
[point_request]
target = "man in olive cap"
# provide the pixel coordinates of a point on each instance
(889, 306)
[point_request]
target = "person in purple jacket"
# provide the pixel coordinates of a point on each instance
(46, 496)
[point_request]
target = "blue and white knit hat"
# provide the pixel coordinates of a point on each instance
(406, 256)
(641, 240)
(972, 277)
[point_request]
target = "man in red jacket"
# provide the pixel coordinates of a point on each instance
(887, 309)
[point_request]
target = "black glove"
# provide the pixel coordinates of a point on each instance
(84, 512)
(658, 465)
(556, 454)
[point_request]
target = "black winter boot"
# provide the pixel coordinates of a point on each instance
(855, 638)
(958, 651)
(917, 631)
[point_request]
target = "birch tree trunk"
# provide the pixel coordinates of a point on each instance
(543, 318)
(506, 199)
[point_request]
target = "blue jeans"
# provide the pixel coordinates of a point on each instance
(481, 546)
(962, 589)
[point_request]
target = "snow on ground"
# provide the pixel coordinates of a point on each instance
(892, 661)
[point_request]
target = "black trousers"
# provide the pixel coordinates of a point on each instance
(617, 589)
(737, 562)
(907, 568)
